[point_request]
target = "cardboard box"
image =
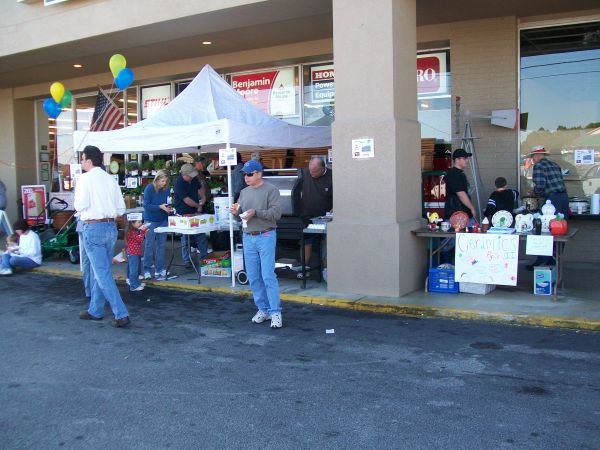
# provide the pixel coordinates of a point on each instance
(191, 221)
(217, 259)
(544, 279)
(476, 288)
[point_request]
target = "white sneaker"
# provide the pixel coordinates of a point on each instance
(260, 317)
(140, 277)
(127, 281)
(161, 276)
(6, 271)
(276, 320)
(147, 276)
(140, 287)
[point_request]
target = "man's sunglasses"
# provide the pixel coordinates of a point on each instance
(249, 174)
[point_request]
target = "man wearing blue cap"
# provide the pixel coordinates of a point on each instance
(259, 210)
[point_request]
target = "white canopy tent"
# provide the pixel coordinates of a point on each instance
(207, 113)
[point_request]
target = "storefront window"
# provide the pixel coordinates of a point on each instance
(434, 95)
(560, 99)
(319, 94)
(274, 91)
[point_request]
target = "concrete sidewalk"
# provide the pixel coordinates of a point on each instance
(577, 306)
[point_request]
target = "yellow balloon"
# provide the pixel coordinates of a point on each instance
(117, 63)
(57, 90)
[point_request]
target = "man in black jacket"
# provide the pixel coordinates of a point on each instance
(313, 196)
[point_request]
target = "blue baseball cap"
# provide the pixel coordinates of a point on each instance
(252, 166)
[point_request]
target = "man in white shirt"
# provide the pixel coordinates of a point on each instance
(98, 201)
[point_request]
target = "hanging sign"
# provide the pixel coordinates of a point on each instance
(487, 258)
(272, 91)
(584, 157)
(363, 148)
(34, 203)
(227, 157)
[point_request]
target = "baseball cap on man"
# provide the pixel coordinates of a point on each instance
(461, 153)
(252, 166)
(538, 150)
(189, 170)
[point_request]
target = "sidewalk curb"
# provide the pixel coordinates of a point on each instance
(366, 305)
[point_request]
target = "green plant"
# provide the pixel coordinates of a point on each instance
(148, 165)
(131, 166)
(159, 164)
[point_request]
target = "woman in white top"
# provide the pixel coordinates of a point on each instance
(29, 254)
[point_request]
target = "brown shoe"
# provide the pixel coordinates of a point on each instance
(87, 316)
(123, 322)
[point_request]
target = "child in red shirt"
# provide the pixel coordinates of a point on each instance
(134, 242)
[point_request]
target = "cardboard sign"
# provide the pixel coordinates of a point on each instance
(539, 245)
(487, 258)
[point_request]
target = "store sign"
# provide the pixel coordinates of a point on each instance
(154, 99)
(363, 148)
(273, 91)
(322, 84)
(432, 74)
(486, 258)
(34, 203)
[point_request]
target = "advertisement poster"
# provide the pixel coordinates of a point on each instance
(322, 84)
(363, 148)
(487, 258)
(584, 157)
(34, 203)
(272, 91)
(154, 99)
(539, 245)
(432, 74)
(227, 157)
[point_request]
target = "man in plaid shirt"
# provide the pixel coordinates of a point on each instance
(548, 180)
(549, 184)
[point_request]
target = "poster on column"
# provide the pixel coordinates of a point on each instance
(272, 91)
(487, 258)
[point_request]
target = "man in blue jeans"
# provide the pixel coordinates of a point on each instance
(259, 210)
(98, 201)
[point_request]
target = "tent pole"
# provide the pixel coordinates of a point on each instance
(230, 219)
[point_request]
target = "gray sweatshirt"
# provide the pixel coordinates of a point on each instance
(265, 200)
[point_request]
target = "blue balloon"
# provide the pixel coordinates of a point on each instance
(52, 108)
(124, 78)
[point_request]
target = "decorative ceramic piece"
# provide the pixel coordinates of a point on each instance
(459, 220)
(524, 223)
(502, 219)
(548, 209)
(548, 214)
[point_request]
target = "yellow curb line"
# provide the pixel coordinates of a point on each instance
(381, 308)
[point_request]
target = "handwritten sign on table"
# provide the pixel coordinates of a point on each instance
(487, 258)
(539, 245)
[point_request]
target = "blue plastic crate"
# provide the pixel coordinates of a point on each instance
(442, 280)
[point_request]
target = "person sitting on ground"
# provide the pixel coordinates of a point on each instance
(29, 254)
(12, 244)
(502, 199)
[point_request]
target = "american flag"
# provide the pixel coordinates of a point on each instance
(106, 114)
